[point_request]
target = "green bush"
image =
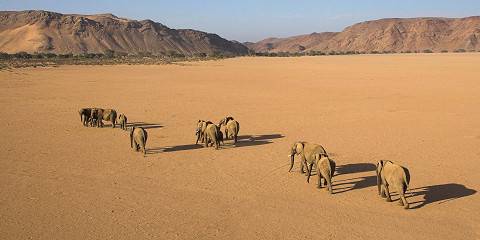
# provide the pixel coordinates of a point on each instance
(427, 51)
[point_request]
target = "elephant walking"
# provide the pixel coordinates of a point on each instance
(391, 176)
(200, 130)
(85, 115)
(307, 153)
(232, 127)
(122, 120)
(99, 114)
(208, 133)
(325, 170)
(138, 139)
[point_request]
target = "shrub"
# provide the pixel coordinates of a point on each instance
(461, 50)
(109, 53)
(427, 51)
(444, 51)
(4, 56)
(22, 55)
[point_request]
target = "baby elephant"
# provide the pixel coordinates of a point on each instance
(138, 139)
(325, 170)
(122, 120)
(395, 177)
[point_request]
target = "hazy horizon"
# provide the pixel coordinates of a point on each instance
(252, 20)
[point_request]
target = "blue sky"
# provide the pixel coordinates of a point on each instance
(253, 20)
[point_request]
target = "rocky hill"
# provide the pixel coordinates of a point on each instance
(395, 34)
(43, 31)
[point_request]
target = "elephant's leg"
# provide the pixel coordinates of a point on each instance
(309, 168)
(205, 140)
(319, 182)
(302, 166)
(329, 184)
(387, 193)
(143, 149)
(403, 200)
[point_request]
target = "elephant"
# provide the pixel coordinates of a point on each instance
(395, 177)
(138, 139)
(105, 115)
(325, 169)
(200, 131)
(94, 117)
(212, 134)
(85, 115)
(307, 153)
(122, 120)
(232, 127)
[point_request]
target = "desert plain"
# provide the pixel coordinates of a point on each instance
(60, 180)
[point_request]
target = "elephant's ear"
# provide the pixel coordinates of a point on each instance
(299, 147)
(379, 166)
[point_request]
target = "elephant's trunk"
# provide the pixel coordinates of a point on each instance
(292, 160)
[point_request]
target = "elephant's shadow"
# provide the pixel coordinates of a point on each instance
(341, 186)
(243, 141)
(144, 125)
(438, 193)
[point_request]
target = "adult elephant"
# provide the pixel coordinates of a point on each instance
(232, 127)
(85, 115)
(106, 115)
(138, 139)
(391, 176)
(307, 152)
(325, 170)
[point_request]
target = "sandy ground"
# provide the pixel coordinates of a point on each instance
(60, 180)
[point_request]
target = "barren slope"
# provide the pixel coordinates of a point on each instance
(60, 180)
(395, 34)
(42, 31)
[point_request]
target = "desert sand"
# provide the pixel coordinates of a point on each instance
(60, 180)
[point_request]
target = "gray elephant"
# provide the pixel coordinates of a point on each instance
(122, 120)
(212, 133)
(108, 115)
(85, 115)
(391, 176)
(232, 127)
(200, 130)
(307, 153)
(325, 170)
(138, 139)
(94, 117)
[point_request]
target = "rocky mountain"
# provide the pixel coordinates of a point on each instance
(43, 31)
(394, 34)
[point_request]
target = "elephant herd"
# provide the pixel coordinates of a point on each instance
(390, 176)
(210, 134)
(94, 117)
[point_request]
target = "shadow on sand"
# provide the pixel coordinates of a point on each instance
(243, 141)
(144, 125)
(357, 183)
(439, 193)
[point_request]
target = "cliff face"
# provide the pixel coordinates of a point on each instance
(411, 34)
(42, 31)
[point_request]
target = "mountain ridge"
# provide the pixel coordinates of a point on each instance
(45, 31)
(388, 34)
